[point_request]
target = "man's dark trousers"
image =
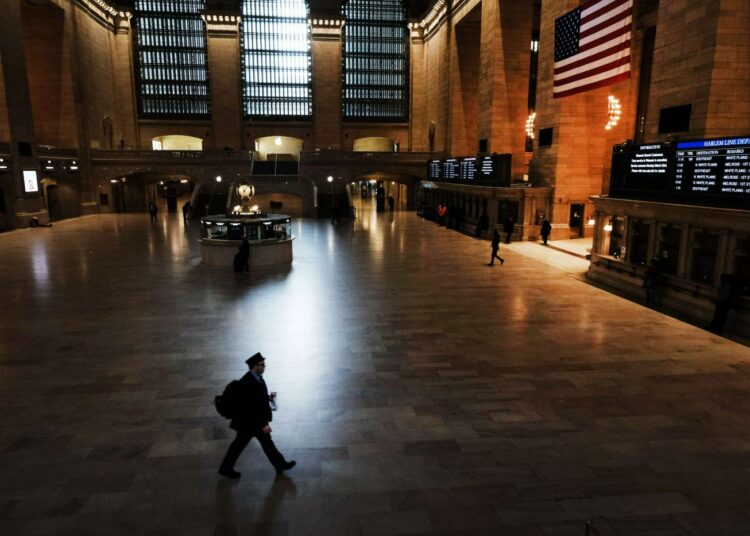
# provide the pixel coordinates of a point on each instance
(241, 441)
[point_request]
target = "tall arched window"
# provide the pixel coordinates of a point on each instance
(375, 61)
(170, 57)
(276, 61)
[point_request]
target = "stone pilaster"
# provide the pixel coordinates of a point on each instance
(20, 205)
(327, 81)
(223, 44)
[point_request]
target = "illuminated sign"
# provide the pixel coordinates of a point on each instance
(30, 181)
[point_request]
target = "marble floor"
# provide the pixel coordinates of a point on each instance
(420, 390)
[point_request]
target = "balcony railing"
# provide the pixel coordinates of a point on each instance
(50, 151)
(205, 156)
(334, 155)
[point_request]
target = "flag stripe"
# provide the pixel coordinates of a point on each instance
(612, 60)
(588, 21)
(593, 51)
(594, 85)
(624, 31)
(618, 50)
(600, 29)
(591, 79)
(607, 65)
(592, 6)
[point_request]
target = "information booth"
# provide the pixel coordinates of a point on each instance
(269, 235)
(683, 207)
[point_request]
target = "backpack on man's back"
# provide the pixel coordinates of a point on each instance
(227, 404)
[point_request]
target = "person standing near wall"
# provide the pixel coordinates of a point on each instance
(546, 230)
(508, 227)
(728, 291)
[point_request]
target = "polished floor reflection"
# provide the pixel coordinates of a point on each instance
(420, 390)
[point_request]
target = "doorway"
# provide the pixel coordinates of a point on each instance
(53, 202)
(576, 220)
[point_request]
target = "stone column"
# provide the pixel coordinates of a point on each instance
(125, 91)
(327, 82)
(20, 206)
(418, 122)
(504, 78)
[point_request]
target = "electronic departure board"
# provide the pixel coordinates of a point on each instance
(468, 169)
(451, 169)
(713, 172)
(713, 166)
(489, 170)
(434, 169)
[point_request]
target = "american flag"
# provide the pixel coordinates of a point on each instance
(592, 46)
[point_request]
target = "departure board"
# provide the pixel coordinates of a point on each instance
(713, 172)
(467, 169)
(713, 166)
(434, 168)
(451, 169)
(486, 170)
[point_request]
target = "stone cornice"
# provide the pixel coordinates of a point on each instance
(326, 29)
(222, 23)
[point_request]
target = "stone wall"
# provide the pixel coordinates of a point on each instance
(48, 62)
(4, 121)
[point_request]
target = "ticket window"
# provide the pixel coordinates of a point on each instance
(705, 249)
(617, 238)
(742, 264)
(639, 234)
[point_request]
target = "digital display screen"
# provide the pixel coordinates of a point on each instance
(711, 167)
(467, 170)
(712, 172)
(30, 181)
(490, 170)
(434, 168)
(451, 169)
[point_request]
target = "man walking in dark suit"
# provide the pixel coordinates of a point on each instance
(254, 414)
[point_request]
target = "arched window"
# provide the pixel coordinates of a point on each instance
(170, 57)
(276, 61)
(375, 61)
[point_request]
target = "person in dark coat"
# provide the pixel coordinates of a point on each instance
(728, 291)
(242, 257)
(508, 227)
(495, 247)
(483, 223)
(546, 230)
(152, 210)
(652, 280)
(254, 405)
(187, 210)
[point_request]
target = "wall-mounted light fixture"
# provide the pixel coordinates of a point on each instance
(530, 125)
(608, 226)
(614, 111)
(218, 178)
(3, 164)
(591, 221)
